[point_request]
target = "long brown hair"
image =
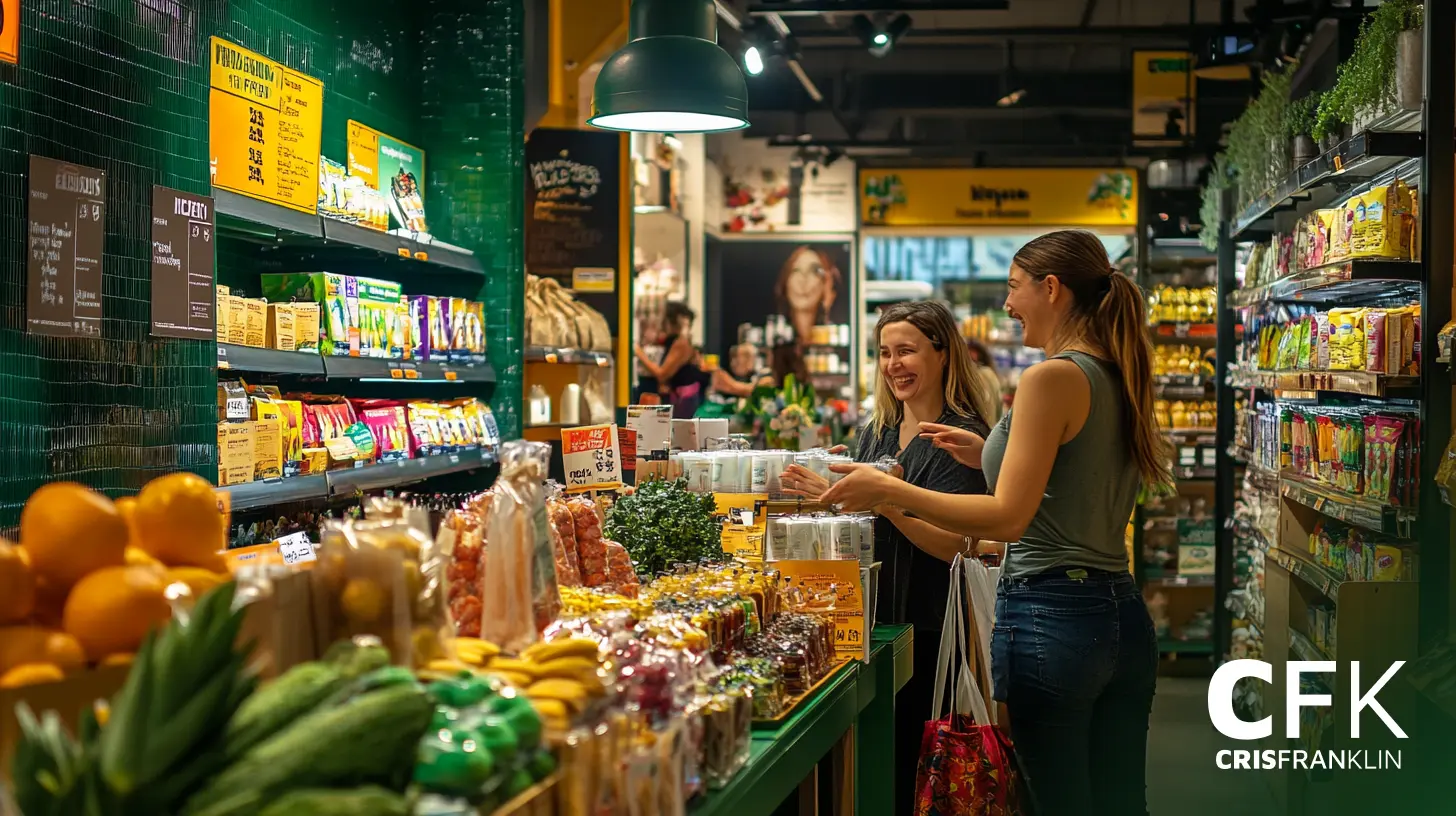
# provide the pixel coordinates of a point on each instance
(1108, 310)
(934, 321)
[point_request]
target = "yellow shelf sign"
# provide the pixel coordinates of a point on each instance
(999, 197)
(848, 613)
(264, 126)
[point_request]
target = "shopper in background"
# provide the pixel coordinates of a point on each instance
(990, 380)
(1073, 652)
(741, 377)
(925, 374)
(678, 378)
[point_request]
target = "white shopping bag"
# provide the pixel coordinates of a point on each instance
(955, 654)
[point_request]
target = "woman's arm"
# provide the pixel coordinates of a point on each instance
(942, 544)
(1052, 397)
(676, 357)
(724, 384)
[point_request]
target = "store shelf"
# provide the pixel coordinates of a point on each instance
(1356, 510)
(568, 356)
(1362, 383)
(1190, 473)
(1336, 283)
(1185, 647)
(369, 368)
(1363, 155)
(1248, 532)
(273, 225)
(1305, 649)
(1184, 331)
(1181, 581)
(1238, 603)
(255, 495)
(1326, 581)
(406, 471)
(247, 358)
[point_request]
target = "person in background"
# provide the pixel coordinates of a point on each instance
(740, 378)
(1073, 653)
(988, 378)
(925, 375)
(677, 376)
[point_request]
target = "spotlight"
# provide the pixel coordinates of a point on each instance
(752, 60)
(879, 36)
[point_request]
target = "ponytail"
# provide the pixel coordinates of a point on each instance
(1110, 312)
(1121, 328)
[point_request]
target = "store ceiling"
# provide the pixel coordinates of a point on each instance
(935, 93)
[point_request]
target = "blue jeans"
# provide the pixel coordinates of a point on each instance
(1075, 660)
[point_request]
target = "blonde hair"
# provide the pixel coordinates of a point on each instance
(962, 396)
(1109, 312)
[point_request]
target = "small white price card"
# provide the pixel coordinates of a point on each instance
(591, 457)
(295, 548)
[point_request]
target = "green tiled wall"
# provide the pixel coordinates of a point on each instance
(123, 85)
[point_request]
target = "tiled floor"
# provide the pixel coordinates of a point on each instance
(1182, 780)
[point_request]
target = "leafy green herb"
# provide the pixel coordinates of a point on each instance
(1365, 84)
(663, 523)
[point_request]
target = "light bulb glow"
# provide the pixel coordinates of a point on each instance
(753, 61)
(882, 38)
(667, 122)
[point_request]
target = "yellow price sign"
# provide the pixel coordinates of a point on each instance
(264, 126)
(843, 577)
(450, 375)
(396, 374)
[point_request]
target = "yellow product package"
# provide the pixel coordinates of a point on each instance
(1347, 339)
(282, 330)
(1388, 565)
(292, 413)
(1341, 222)
(255, 322)
(237, 320)
(1381, 222)
(306, 327)
(268, 448)
(234, 453)
(220, 312)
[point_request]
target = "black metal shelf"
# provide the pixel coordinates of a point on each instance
(271, 361)
(255, 495)
(1351, 509)
(568, 356)
(381, 475)
(370, 368)
(1364, 155)
(1360, 278)
(272, 224)
(1326, 581)
(1360, 383)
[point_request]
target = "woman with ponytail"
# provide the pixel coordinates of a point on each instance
(1073, 653)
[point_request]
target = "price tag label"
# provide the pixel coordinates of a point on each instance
(603, 361)
(591, 457)
(396, 374)
(412, 374)
(422, 256)
(296, 549)
(450, 375)
(403, 252)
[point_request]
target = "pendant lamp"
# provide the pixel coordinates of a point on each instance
(671, 77)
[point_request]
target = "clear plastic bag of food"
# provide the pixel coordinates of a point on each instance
(383, 578)
(620, 572)
(563, 540)
(591, 549)
(519, 594)
(461, 543)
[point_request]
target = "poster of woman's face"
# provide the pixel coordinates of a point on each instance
(805, 282)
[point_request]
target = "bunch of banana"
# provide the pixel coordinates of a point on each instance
(561, 677)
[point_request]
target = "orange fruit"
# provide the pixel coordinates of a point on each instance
(27, 674)
(111, 610)
(126, 505)
(197, 579)
(178, 523)
(20, 645)
(69, 530)
(137, 557)
(17, 584)
(50, 603)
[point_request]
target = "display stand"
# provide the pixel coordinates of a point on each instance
(1375, 622)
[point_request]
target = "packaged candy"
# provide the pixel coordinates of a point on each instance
(390, 430)
(426, 428)
(563, 541)
(519, 594)
(620, 573)
(475, 334)
(459, 329)
(460, 538)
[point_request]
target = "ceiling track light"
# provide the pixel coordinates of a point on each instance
(878, 35)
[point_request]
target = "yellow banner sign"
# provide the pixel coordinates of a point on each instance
(264, 126)
(363, 150)
(843, 577)
(997, 197)
(1163, 95)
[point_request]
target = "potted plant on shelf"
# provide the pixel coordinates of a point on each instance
(1384, 74)
(1258, 144)
(1210, 212)
(1299, 123)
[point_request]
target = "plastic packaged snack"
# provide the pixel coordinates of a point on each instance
(460, 540)
(591, 549)
(383, 578)
(519, 595)
(620, 572)
(563, 541)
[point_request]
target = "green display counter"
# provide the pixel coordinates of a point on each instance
(853, 710)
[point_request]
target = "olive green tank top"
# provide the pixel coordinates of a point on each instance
(1082, 519)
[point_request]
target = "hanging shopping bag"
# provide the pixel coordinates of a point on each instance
(965, 766)
(980, 588)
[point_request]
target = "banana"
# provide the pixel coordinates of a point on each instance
(547, 651)
(569, 692)
(570, 668)
(514, 678)
(507, 664)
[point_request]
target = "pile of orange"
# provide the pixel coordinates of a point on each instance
(90, 577)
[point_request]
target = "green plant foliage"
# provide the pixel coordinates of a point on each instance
(662, 523)
(1258, 148)
(1366, 81)
(1299, 118)
(1210, 212)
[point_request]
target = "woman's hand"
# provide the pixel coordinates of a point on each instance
(804, 483)
(863, 487)
(963, 446)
